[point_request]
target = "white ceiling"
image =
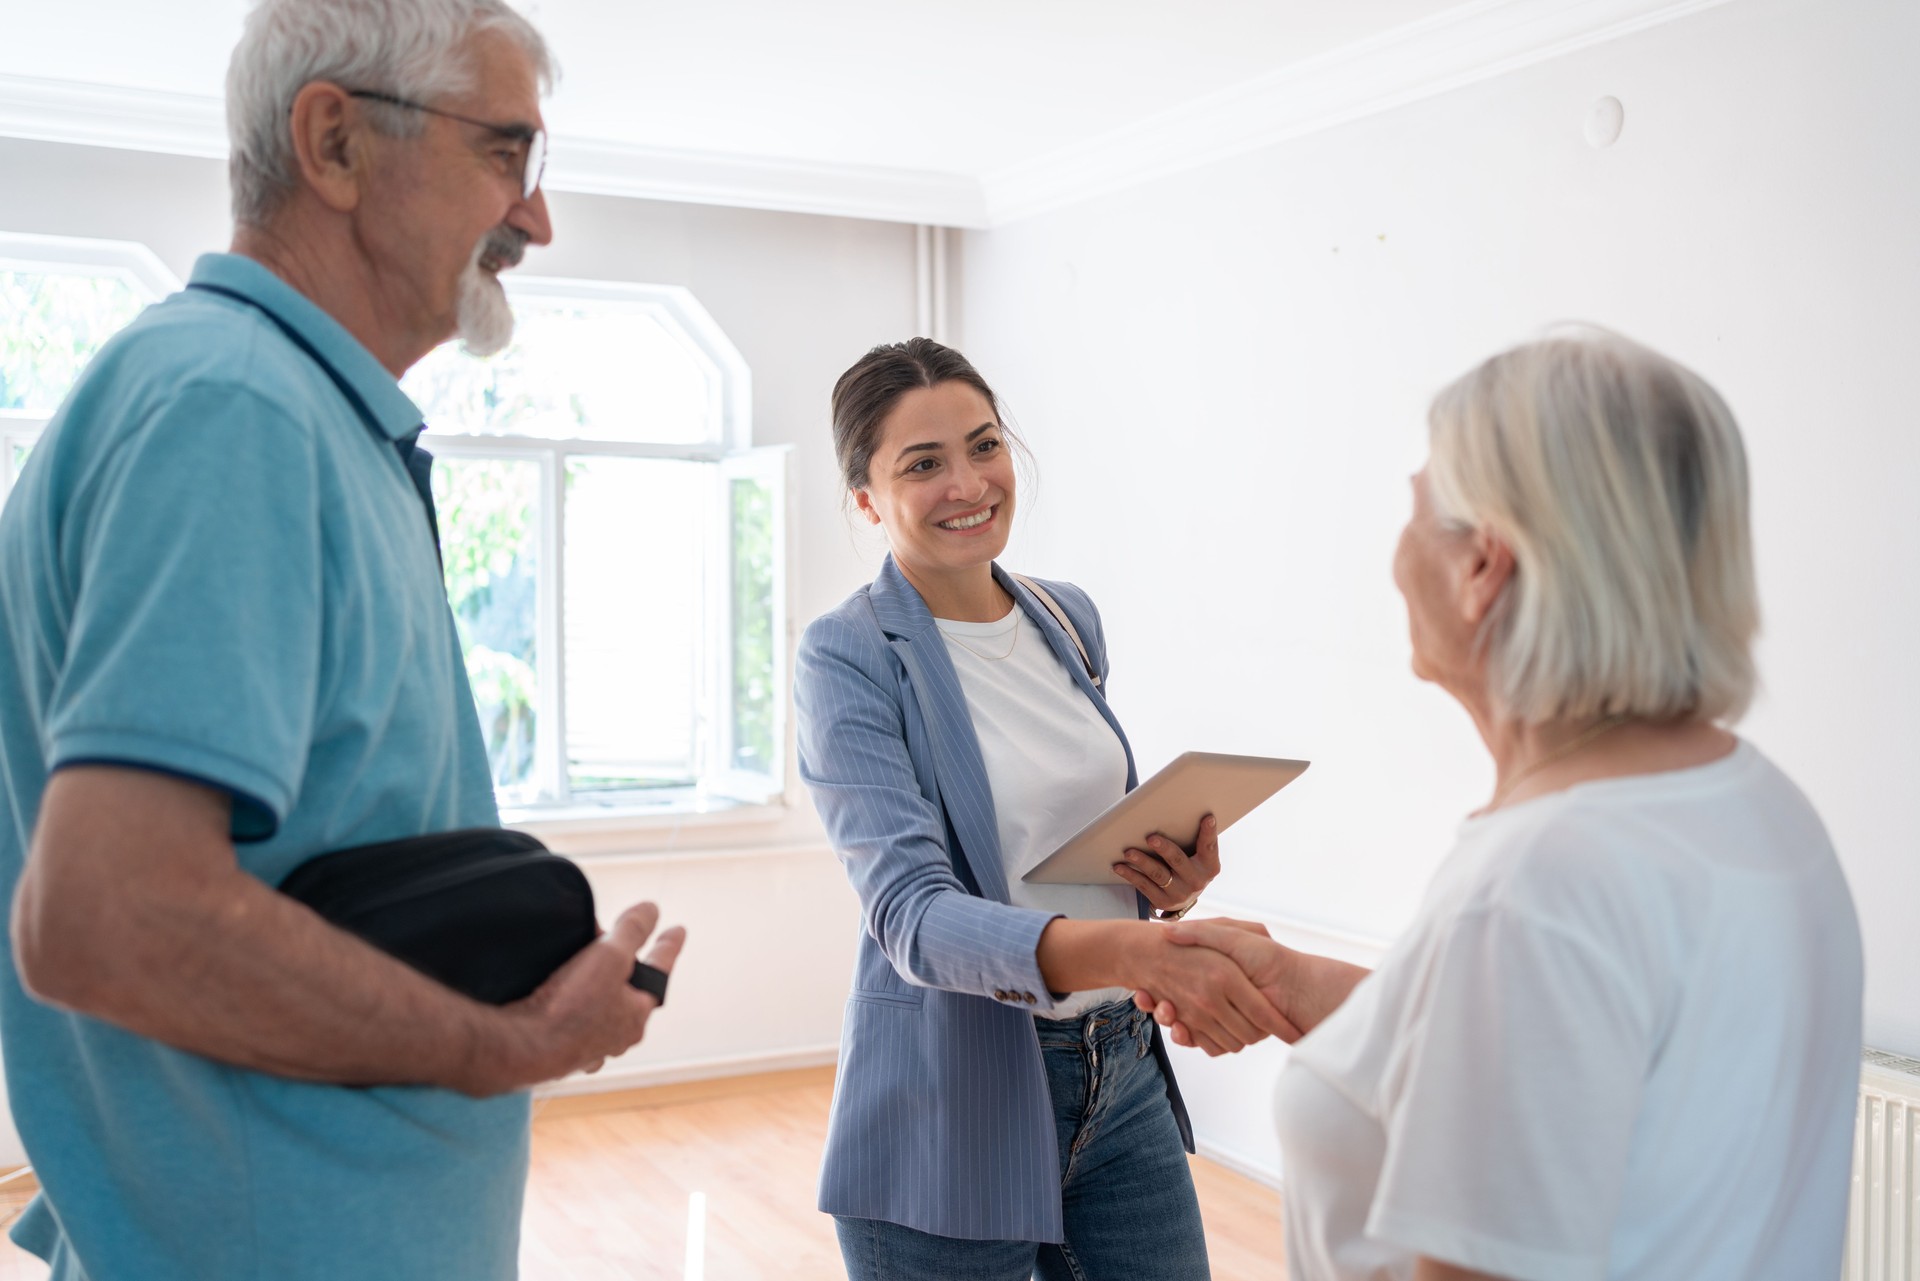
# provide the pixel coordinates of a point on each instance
(963, 88)
(968, 88)
(965, 113)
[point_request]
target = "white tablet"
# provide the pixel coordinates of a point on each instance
(1172, 803)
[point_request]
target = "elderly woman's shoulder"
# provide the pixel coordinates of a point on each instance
(1653, 847)
(1561, 851)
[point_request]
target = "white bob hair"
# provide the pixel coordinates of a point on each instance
(1618, 479)
(413, 49)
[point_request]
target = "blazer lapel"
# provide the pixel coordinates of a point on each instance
(958, 767)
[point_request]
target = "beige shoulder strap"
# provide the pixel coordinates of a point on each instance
(1060, 617)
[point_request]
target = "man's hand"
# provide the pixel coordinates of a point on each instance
(1301, 987)
(587, 1012)
(133, 909)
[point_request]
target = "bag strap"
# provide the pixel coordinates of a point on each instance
(1060, 617)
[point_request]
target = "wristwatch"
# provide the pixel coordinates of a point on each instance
(1178, 912)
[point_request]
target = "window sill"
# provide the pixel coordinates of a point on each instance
(680, 808)
(699, 828)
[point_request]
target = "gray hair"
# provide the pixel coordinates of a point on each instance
(1619, 480)
(413, 49)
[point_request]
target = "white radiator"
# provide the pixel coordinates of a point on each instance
(1883, 1221)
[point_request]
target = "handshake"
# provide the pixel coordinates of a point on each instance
(1219, 985)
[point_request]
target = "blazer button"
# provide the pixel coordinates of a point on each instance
(999, 995)
(1028, 998)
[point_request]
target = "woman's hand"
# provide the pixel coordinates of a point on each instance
(1170, 877)
(1301, 987)
(1221, 1008)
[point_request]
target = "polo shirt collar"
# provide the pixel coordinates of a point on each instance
(396, 414)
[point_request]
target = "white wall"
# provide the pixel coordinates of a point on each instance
(772, 923)
(1224, 375)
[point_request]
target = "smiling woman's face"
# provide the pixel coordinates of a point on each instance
(941, 482)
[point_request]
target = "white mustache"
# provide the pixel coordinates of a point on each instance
(505, 246)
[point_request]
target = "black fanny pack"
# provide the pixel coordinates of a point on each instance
(487, 911)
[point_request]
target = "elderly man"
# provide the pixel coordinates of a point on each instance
(228, 649)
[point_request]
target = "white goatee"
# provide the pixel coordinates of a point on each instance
(483, 317)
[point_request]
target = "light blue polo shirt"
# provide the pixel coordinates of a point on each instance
(214, 567)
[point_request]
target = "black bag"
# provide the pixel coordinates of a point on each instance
(487, 911)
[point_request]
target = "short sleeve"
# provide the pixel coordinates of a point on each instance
(1511, 1100)
(192, 559)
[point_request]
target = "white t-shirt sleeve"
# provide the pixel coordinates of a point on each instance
(1510, 1100)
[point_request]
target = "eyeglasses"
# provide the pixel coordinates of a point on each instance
(533, 159)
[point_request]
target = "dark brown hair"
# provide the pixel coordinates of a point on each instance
(867, 393)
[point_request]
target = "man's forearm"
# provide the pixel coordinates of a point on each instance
(184, 947)
(247, 976)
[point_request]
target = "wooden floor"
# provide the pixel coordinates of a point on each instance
(621, 1183)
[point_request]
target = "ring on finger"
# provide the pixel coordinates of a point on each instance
(1168, 881)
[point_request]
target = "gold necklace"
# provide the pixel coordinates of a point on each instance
(991, 658)
(1566, 749)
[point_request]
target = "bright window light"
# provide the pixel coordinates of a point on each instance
(61, 299)
(615, 552)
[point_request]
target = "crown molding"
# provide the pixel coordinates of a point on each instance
(1471, 42)
(1468, 43)
(763, 182)
(192, 125)
(91, 115)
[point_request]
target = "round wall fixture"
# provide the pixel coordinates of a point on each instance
(1604, 119)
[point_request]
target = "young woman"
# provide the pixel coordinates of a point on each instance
(1002, 1110)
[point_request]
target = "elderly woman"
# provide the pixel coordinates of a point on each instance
(1621, 1037)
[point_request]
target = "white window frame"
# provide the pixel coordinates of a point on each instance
(716, 790)
(126, 260)
(719, 794)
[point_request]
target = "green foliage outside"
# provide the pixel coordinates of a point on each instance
(51, 325)
(486, 511)
(503, 395)
(753, 630)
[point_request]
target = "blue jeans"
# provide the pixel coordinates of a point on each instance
(1126, 1191)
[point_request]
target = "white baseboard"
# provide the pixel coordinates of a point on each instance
(639, 1077)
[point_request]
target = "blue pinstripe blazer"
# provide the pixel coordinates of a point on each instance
(942, 1119)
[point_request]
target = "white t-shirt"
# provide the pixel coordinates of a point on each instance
(1052, 761)
(1620, 1040)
